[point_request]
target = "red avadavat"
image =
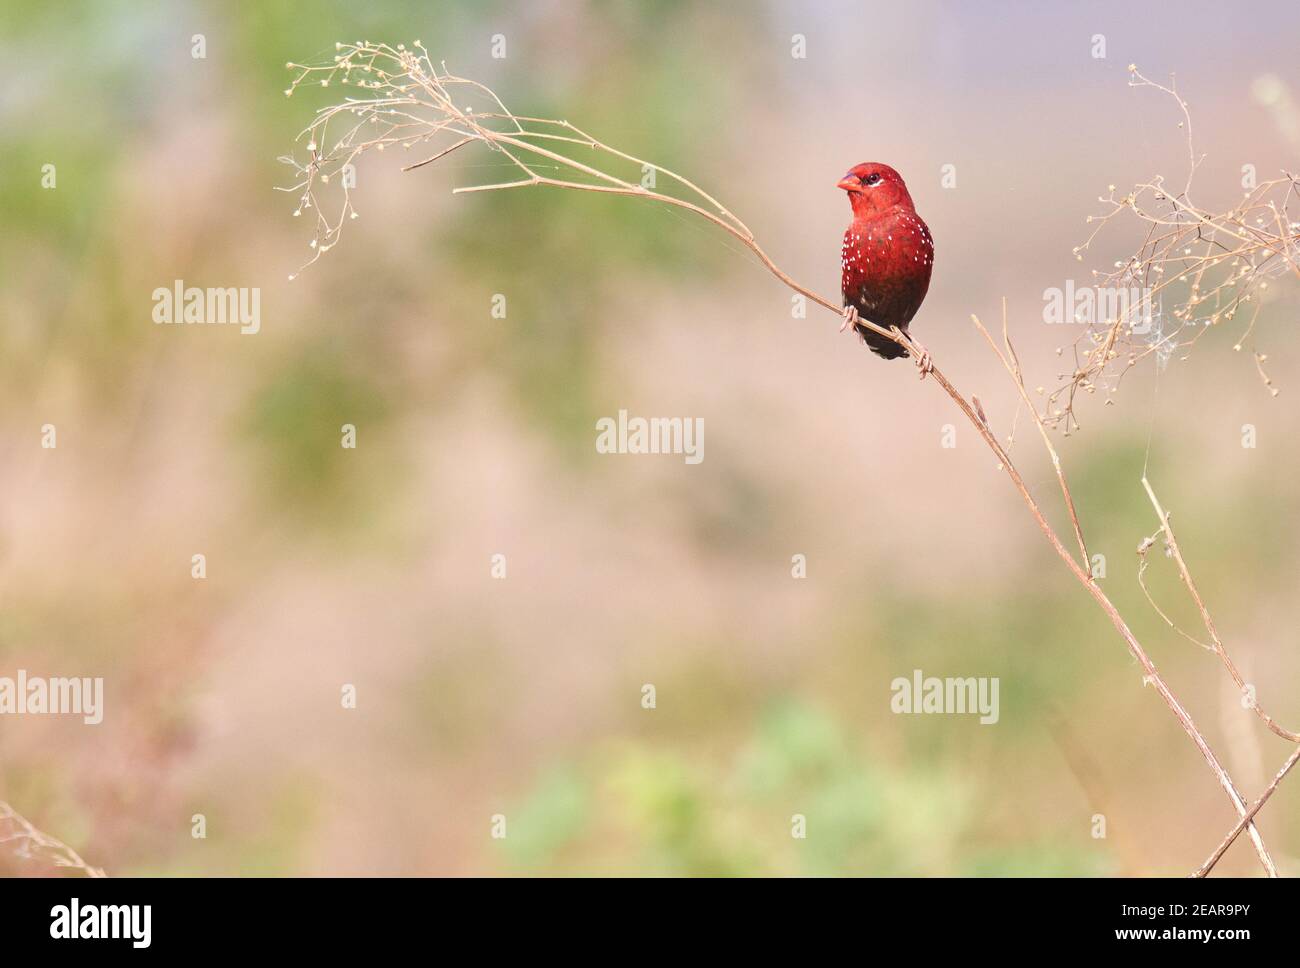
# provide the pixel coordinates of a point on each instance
(887, 257)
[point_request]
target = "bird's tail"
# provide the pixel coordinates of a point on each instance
(882, 345)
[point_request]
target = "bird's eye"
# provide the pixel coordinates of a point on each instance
(872, 179)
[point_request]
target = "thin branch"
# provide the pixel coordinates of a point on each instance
(1143, 563)
(1249, 815)
(28, 843)
(1012, 365)
(1247, 691)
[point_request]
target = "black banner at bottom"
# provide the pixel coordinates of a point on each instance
(140, 917)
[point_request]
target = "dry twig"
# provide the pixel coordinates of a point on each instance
(1213, 859)
(1216, 646)
(29, 844)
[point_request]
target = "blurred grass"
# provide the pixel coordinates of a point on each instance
(668, 811)
(295, 423)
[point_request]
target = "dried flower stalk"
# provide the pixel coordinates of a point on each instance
(1198, 267)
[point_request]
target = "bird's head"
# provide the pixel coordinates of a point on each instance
(873, 188)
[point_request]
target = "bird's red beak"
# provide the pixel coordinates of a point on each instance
(849, 183)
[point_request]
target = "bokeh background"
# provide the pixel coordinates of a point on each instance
(522, 696)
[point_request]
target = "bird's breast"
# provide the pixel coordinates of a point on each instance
(885, 265)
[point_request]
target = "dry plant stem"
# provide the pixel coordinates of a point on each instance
(29, 840)
(409, 81)
(1142, 583)
(1219, 851)
(1217, 643)
(1152, 676)
(1012, 364)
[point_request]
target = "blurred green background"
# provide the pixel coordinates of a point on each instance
(521, 696)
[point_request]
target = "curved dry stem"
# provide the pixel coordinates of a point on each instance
(1216, 646)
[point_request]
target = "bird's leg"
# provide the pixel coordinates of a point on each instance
(851, 318)
(921, 354)
(923, 362)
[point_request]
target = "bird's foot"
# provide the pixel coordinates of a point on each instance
(923, 362)
(850, 318)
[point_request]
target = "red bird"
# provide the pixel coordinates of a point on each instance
(886, 260)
